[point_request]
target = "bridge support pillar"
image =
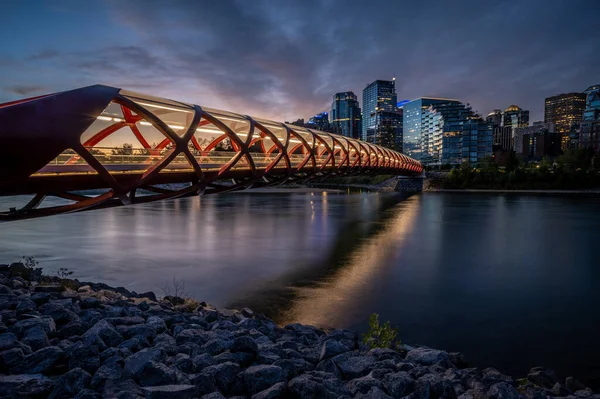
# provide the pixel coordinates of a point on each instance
(409, 185)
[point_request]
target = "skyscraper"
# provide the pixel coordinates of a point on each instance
(413, 114)
(564, 110)
(590, 126)
(379, 96)
(345, 115)
(319, 122)
(515, 117)
(495, 118)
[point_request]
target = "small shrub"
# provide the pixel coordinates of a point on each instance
(26, 269)
(66, 282)
(174, 292)
(380, 336)
(64, 273)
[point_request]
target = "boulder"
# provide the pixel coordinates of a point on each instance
(143, 330)
(111, 371)
(317, 385)
(170, 392)
(244, 344)
(204, 384)
(353, 365)
(426, 356)
(224, 375)
(11, 358)
(363, 384)
(277, 391)
(542, 377)
(39, 361)
(25, 386)
(88, 394)
(196, 336)
(36, 338)
(135, 363)
(293, 367)
(121, 389)
(216, 346)
(45, 322)
(105, 331)
(70, 383)
(399, 384)
(159, 324)
(331, 348)
(155, 373)
(573, 385)
(261, 377)
(502, 390)
(374, 393)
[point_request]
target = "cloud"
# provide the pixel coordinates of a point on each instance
(24, 90)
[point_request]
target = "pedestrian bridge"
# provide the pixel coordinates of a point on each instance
(102, 146)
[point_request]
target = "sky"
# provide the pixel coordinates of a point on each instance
(285, 59)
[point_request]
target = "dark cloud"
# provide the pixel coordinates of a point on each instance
(24, 90)
(286, 59)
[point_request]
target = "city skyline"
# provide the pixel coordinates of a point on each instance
(286, 62)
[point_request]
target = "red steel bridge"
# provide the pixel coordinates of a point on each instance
(101, 146)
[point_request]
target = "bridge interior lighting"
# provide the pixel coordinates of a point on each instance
(104, 118)
(165, 107)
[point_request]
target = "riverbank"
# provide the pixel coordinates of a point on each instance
(61, 338)
(498, 191)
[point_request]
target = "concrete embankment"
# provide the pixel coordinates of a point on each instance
(61, 338)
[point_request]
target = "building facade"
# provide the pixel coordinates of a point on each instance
(590, 125)
(495, 118)
(413, 119)
(319, 122)
(515, 117)
(536, 128)
(564, 111)
(345, 116)
(379, 96)
(541, 144)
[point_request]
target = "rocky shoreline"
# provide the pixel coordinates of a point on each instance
(61, 338)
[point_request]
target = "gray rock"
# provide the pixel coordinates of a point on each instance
(261, 377)
(204, 384)
(90, 303)
(216, 346)
(195, 336)
(4, 290)
(143, 330)
(150, 295)
(111, 371)
(70, 383)
(40, 298)
(159, 324)
(433, 386)
(332, 348)
(374, 393)
(184, 363)
(213, 395)
(317, 385)
(573, 385)
(328, 366)
(143, 306)
(542, 377)
(36, 338)
(39, 361)
(502, 390)
(122, 389)
(559, 390)
(25, 386)
(399, 384)
(88, 394)
(202, 361)
(244, 359)
(293, 367)
(84, 355)
(170, 392)
(277, 391)
(244, 344)
(135, 363)
(106, 332)
(135, 344)
(70, 329)
(224, 375)
(8, 341)
(11, 358)
(426, 356)
(363, 384)
(353, 365)
(155, 374)
(45, 322)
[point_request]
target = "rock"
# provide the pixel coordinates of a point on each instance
(542, 377)
(36, 338)
(71, 383)
(317, 385)
(90, 303)
(247, 312)
(374, 393)
(363, 384)
(353, 365)
(244, 359)
(458, 359)
(45, 322)
(293, 367)
(122, 389)
(328, 366)
(142, 330)
(573, 385)
(150, 295)
(224, 375)
(277, 391)
(4, 290)
(106, 372)
(39, 361)
(204, 384)
(143, 306)
(106, 332)
(48, 288)
(261, 377)
(10, 358)
(135, 344)
(88, 394)
(559, 390)
(426, 356)
(135, 363)
(159, 324)
(25, 386)
(214, 395)
(502, 390)
(84, 354)
(183, 363)
(244, 344)
(492, 376)
(170, 392)
(216, 346)
(433, 386)
(155, 373)
(40, 298)
(199, 337)
(70, 329)
(399, 384)
(8, 341)
(202, 361)
(332, 348)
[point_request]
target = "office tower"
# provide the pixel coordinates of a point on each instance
(377, 97)
(590, 125)
(345, 115)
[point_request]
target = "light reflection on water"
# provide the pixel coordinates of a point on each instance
(510, 280)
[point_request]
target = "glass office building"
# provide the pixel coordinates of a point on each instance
(379, 96)
(412, 123)
(590, 126)
(345, 115)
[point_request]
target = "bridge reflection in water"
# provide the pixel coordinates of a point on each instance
(130, 145)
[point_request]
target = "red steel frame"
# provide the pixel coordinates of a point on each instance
(319, 159)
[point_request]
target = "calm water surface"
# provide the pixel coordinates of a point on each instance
(511, 281)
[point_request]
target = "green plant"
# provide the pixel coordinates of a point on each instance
(380, 336)
(64, 273)
(30, 262)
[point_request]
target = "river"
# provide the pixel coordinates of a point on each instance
(509, 280)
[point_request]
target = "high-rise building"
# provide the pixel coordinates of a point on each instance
(564, 110)
(452, 134)
(345, 115)
(590, 125)
(389, 129)
(379, 96)
(495, 118)
(536, 128)
(413, 114)
(319, 122)
(515, 117)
